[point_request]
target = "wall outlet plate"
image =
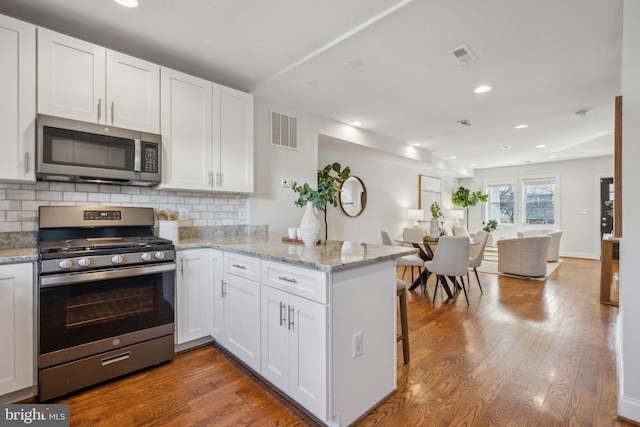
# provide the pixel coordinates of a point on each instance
(358, 344)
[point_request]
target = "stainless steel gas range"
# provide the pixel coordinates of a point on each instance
(106, 296)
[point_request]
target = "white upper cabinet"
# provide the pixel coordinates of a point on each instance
(233, 139)
(17, 100)
(82, 81)
(207, 135)
(186, 131)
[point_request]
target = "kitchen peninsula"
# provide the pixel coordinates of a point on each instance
(317, 322)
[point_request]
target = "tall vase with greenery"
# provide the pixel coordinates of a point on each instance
(466, 198)
(330, 178)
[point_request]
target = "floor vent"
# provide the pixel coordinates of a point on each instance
(463, 54)
(284, 130)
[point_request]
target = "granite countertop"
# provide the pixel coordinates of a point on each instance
(11, 256)
(328, 255)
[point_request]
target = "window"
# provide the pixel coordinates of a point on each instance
(539, 201)
(500, 205)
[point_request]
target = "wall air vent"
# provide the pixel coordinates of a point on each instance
(284, 131)
(463, 54)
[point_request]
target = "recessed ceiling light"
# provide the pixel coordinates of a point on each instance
(452, 157)
(356, 123)
(127, 3)
(473, 165)
(505, 147)
(355, 62)
(553, 156)
(312, 82)
(541, 146)
(522, 126)
(482, 89)
(416, 144)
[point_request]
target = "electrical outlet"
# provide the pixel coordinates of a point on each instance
(285, 183)
(358, 344)
(241, 213)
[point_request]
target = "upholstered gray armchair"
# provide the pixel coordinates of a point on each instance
(526, 256)
(554, 246)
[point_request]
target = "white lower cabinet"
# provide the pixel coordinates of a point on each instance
(193, 295)
(17, 369)
(294, 333)
(241, 308)
(294, 351)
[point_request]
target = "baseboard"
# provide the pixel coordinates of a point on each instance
(579, 255)
(20, 396)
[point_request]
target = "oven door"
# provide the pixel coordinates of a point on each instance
(83, 314)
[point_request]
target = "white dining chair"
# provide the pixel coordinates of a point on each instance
(451, 259)
(405, 261)
(477, 253)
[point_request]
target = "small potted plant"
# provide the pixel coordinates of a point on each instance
(490, 226)
(434, 224)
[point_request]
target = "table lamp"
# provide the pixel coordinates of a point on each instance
(457, 215)
(416, 215)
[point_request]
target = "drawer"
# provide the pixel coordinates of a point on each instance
(310, 284)
(242, 265)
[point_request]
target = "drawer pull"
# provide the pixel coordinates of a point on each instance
(286, 279)
(241, 267)
(114, 359)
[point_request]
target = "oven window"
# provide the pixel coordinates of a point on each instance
(76, 314)
(68, 147)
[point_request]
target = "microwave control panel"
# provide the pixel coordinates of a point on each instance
(150, 157)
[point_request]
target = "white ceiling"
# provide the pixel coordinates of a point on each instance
(545, 60)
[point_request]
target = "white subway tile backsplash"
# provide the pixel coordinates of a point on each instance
(19, 203)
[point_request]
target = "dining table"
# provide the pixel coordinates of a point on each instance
(426, 249)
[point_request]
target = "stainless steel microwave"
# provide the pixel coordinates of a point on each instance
(75, 151)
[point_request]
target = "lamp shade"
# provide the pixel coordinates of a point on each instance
(416, 215)
(456, 214)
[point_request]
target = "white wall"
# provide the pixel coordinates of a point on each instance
(273, 205)
(579, 185)
(629, 314)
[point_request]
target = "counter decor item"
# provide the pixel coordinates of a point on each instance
(330, 178)
(310, 227)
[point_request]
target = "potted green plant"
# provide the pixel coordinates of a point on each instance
(436, 212)
(466, 198)
(490, 225)
(434, 224)
(329, 180)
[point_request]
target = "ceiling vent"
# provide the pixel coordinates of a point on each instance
(284, 131)
(464, 122)
(463, 54)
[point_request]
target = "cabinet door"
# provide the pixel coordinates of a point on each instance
(233, 139)
(17, 100)
(308, 357)
(186, 131)
(133, 93)
(217, 304)
(193, 295)
(275, 335)
(71, 77)
(242, 319)
(17, 370)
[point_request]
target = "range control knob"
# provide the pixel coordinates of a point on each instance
(117, 259)
(65, 264)
(84, 262)
(145, 256)
(159, 255)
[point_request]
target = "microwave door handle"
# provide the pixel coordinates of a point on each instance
(138, 155)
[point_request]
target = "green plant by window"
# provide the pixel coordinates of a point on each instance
(490, 225)
(466, 198)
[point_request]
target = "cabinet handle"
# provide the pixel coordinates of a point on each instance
(26, 162)
(113, 112)
(224, 293)
(283, 319)
(182, 266)
(99, 109)
(286, 279)
(291, 314)
(241, 267)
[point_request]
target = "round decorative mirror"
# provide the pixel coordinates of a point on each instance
(353, 197)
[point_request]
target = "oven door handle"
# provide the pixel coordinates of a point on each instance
(94, 276)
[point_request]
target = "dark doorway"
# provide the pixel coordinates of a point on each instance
(606, 210)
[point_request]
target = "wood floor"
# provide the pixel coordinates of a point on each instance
(525, 353)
